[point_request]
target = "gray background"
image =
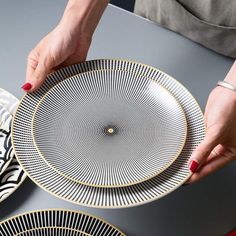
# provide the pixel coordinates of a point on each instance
(205, 208)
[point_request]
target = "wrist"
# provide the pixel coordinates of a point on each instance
(227, 92)
(231, 76)
(231, 81)
(83, 15)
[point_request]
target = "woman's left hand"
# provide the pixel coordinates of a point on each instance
(219, 146)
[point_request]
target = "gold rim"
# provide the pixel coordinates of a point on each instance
(31, 230)
(62, 210)
(121, 206)
(112, 186)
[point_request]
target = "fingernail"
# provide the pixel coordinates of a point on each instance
(193, 166)
(26, 87)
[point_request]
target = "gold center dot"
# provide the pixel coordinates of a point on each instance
(110, 130)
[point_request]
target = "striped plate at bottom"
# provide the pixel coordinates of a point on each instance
(57, 222)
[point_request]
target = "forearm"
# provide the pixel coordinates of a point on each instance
(84, 15)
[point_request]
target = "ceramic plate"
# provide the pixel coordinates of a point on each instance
(109, 128)
(57, 222)
(9, 101)
(52, 181)
(13, 175)
(6, 151)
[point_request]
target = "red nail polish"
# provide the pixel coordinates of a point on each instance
(193, 166)
(26, 87)
(232, 233)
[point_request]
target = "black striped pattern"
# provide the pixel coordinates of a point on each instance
(11, 179)
(57, 223)
(6, 153)
(70, 125)
(144, 192)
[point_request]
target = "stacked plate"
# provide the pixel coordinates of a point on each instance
(11, 173)
(108, 133)
(57, 222)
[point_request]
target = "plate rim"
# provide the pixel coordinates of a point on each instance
(173, 159)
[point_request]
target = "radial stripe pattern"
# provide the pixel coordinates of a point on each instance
(109, 128)
(70, 190)
(57, 222)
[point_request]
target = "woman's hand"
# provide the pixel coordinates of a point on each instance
(219, 146)
(67, 44)
(59, 48)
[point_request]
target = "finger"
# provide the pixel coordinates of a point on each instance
(210, 167)
(201, 153)
(32, 63)
(72, 60)
(44, 67)
(216, 152)
(37, 70)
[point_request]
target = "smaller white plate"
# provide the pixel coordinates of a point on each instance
(108, 129)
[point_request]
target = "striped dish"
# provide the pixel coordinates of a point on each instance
(72, 121)
(6, 151)
(50, 180)
(13, 176)
(54, 222)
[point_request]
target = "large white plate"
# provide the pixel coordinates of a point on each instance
(13, 176)
(109, 128)
(52, 181)
(57, 222)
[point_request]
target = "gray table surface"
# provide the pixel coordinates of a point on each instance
(205, 208)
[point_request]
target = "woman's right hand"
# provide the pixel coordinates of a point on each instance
(67, 44)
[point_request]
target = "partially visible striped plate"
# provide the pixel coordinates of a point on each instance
(13, 176)
(55, 222)
(6, 151)
(9, 101)
(50, 180)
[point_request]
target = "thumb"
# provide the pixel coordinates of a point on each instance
(201, 153)
(37, 71)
